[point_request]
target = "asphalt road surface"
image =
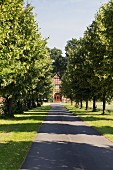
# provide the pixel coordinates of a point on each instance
(64, 142)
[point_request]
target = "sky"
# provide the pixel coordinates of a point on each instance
(62, 20)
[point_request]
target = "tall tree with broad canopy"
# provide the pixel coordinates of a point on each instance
(58, 61)
(94, 53)
(104, 68)
(77, 69)
(24, 55)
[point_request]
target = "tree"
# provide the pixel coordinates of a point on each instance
(90, 60)
(103, 61)
(66, 88)
(94, 52)
(9, 36)
(24, 55)
(77, 69)
(58, 61)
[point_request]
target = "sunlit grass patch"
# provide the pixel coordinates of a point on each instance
(102, 123)
(16, 136)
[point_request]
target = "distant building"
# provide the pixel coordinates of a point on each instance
(1, 99)
(57, 97)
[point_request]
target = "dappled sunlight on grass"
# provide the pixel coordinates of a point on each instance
(12, 154)
(17, 134)
(102, 123)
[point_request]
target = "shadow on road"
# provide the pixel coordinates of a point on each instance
(70, 156)
(57, 128)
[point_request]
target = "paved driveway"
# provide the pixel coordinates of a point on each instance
(64, 142)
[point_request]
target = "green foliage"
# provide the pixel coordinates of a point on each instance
(25, 63)
(77, 71)
(90, 60)
(58, 61)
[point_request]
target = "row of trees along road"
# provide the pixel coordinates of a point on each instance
(25, 63)
(89, 73)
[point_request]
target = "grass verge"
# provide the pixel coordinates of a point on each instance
(16, 136)
(102, 123)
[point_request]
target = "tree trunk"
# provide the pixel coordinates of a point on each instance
(19, 107)
(33, 103)
(94, 104)
(71, 102)
(81, 104)
(86, 104)
(8, 112)
(25, 107)
(11, 114)
(77, 104)
(29, 104)
(104, 104)
(36, 101)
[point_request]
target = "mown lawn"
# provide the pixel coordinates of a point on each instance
(16, 136)
(102, 123)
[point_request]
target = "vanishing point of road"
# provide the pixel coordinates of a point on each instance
(64, 142)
